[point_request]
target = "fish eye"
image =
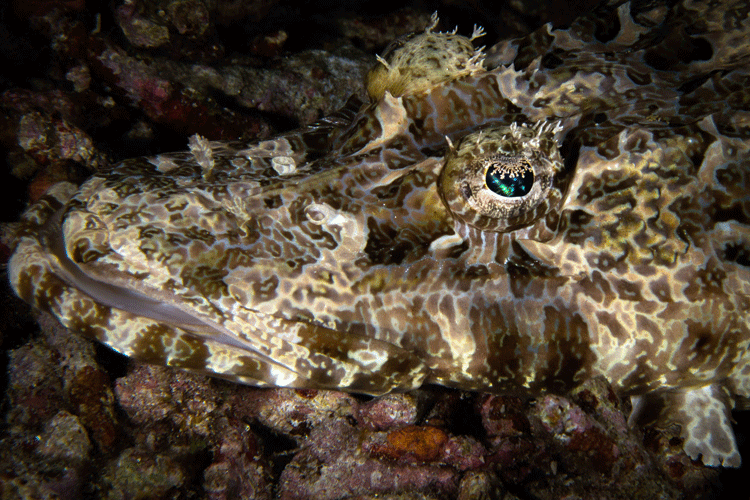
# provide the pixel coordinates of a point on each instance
(509, 177)
(500, 178)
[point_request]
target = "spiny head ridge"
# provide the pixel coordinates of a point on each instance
(418, 62)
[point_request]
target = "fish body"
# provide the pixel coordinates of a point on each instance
(571, 204)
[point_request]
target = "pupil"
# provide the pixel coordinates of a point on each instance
(509, 184)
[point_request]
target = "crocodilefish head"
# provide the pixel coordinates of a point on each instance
(519, 223)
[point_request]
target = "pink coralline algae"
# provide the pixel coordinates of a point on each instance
(334, 466)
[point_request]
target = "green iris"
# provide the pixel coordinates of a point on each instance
(509, 183)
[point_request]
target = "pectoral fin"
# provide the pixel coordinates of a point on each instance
(704, 417)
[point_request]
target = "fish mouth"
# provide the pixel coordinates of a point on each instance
(110, 294)
(200, 342)
(132, 301)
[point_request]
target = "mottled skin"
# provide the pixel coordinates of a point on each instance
(367, 253)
